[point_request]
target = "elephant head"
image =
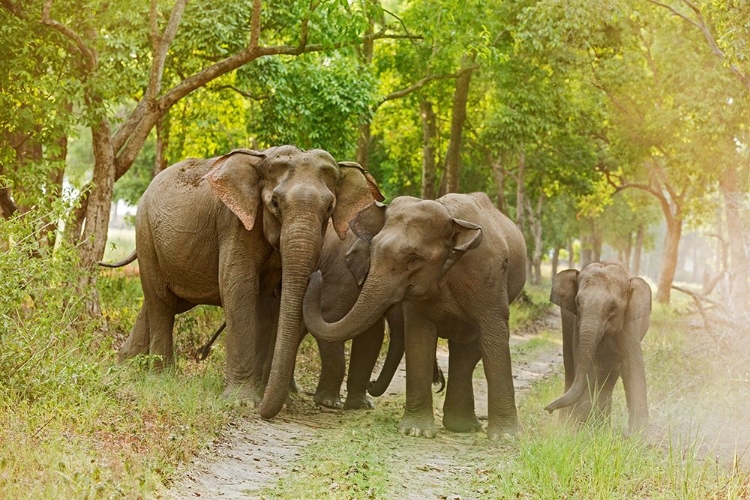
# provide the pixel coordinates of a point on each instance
(413, 245)
(605, 301)
(297, 192)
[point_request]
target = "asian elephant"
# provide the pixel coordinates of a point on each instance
(344, 266)
(225, 231)
(605, 314)
(456, 263)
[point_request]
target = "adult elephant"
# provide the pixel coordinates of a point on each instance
(224, 231)
(456, 263)
(605, 314)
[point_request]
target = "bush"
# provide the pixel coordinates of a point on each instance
(43, 323)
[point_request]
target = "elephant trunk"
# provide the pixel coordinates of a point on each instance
(372, 302)
(588, 340)
(395, 319)
(300, 246)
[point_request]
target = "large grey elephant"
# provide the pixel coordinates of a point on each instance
(605, 314)
(456, 264)
(225, 231)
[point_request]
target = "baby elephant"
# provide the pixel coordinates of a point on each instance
(605, 314)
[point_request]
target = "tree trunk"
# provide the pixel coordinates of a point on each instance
(627, 252)
(571, 256)
(429, 135)
(499, 172)
(596, 243)
(669, 259)
(363, 133)
(636, 269)
(535, 224)
(520, 190)
(98, 205)
(738, 270)
(453, 156)
(162, 141)
(555, 260)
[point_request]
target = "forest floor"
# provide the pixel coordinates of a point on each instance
(252, 455)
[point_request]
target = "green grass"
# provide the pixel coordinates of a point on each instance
(74, 423)
(550, 460)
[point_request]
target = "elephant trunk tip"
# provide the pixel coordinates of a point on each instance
(268, 411)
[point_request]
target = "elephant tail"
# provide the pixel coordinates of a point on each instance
(438, 378)
(204, 351)
(130, 258)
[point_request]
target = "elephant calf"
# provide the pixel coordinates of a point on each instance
(605, 314)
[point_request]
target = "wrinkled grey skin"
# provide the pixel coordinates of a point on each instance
(343, 265)
(456, 263)
(221, 231)
(605, 314)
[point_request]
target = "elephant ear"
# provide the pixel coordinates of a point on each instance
(369, 221)
(358, 260)
(565, 289)
(356, 189)
(235, 180)
(639, 301)
(466, 236)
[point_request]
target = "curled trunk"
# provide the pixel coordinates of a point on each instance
(395, 352)
(370, 306)
(584, 362)
(300, 249)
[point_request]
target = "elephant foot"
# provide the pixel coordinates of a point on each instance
(461, 423)
(360, 402)
(328, 400)
(244, 393)
(510, 432)
(418, 426)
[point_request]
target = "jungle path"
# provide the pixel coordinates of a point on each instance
(254, 458)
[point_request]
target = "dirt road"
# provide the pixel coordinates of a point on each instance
(252, 454)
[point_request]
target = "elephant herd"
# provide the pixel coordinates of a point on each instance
(265, 235)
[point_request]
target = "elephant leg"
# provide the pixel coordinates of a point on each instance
(332, 372)
(243, 334)
(139, 339)
(365, 351)
(268, 321)
(501, 400)
(161, 312)
(606, 379)
(458, 409)
(420, 344)
(634, 381)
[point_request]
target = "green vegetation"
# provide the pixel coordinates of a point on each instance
(601, 129)
(360, 457)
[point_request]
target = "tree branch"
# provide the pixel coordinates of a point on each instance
(676, 13)
(419, 84)
(88, 54)
(255, 25)
(703, 27)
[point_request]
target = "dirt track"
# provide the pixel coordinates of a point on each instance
(252, 454)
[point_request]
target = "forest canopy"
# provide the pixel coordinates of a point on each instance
(621, 124)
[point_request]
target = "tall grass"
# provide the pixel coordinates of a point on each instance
(73, 422)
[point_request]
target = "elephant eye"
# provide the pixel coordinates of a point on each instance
(275, 203)
(413, 259)
(330, 209)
